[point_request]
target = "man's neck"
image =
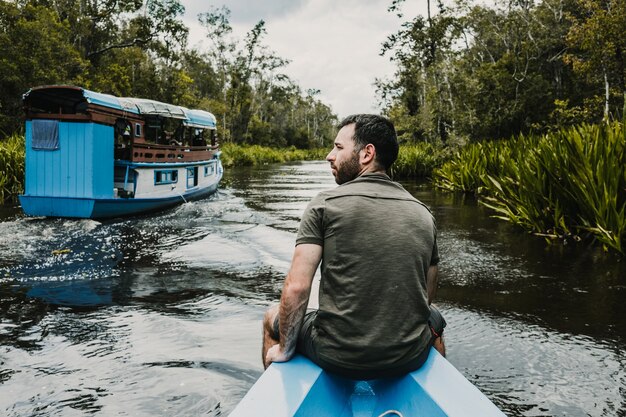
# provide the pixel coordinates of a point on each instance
(372, 169)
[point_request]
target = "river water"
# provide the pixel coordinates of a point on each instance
(160, 315)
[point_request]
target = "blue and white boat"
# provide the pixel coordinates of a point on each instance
(93, 155)
(302, 389)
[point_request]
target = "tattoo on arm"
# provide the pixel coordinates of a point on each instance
(295, 296)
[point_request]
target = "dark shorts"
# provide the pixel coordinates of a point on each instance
(305, 346)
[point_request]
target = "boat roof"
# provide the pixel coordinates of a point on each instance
(199, 118)
(71, 96)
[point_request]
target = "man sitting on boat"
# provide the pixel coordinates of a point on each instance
(378, 248)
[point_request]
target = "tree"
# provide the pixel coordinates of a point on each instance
(217, 23)
(37, 49)
(422, 50)
(474, 71)
(598, 49)
(241, 92)
(257, 102)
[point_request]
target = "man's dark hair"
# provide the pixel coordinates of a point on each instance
(377, 130)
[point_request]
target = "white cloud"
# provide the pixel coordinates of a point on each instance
(333, 46)
(246, 11)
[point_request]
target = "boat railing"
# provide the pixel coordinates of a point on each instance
(149, 152)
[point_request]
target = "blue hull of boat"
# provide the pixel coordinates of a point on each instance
(93, 208)
(300, 388)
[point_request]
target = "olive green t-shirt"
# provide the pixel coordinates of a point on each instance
(378, 243)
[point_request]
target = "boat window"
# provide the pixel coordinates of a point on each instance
(165, 176)
(138, 130)
(45, 134)
(209, 170)
(198, 138)
(153, 129)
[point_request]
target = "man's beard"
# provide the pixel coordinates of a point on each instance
(348, 170)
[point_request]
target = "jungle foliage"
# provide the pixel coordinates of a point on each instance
(418, 160)
(254, 155)
(138, 48)
(470, 71)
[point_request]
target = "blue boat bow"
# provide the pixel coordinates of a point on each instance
(301, 388)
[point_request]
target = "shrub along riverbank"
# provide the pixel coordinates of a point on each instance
(11, 168)
(414, 161)
(570, 184)
(253, 155)
(418, 161)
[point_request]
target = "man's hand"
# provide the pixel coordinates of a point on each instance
(275, 354)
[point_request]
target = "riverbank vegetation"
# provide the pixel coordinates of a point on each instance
(11, 168)
(254, 155)
(418, 160)
(414, 161)
(567, 184)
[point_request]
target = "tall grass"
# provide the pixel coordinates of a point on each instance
(566, 184)
(252, 155)
(417, 160)
(11, 168)
(465, 171)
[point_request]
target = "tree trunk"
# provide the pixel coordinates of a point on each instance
(606, 96)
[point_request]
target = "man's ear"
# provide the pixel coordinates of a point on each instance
(368, 154)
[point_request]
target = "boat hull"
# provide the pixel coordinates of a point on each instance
(103, 208)
(300, 388)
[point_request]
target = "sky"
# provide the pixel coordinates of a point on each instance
(333, 45)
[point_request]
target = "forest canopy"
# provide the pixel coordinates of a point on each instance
(470, 71)
(466, 71)
(134, 48)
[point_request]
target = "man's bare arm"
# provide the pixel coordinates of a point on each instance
(431, 282)
(294, 300)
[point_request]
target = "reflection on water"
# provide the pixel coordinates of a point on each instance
(160, 315)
